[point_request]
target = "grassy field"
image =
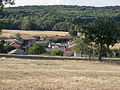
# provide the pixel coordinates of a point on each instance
(116, 46)
(18, 74)
(40, 33)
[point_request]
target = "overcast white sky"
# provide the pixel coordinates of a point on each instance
(68, 2)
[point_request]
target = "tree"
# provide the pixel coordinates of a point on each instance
(57, 52)
(74, 30)
(1, 28)
(8, 47)
(81, 47)
(73, 33)
(4, 2)
(104, 32)
(27, 24)
(106, 52)
(5, 47)
(17, 35)
(36, 49)
(55, 17)
(62, 26)
(2, 48)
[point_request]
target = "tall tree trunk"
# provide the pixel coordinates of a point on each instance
(100, 53)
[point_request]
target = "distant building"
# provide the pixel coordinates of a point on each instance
(68, 52)
(17, 51)
(16, 44)
(27, 40)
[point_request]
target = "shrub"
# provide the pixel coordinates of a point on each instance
(73, 33)
(106, 52)
(57, 52)
(36, 49)
(17, 35)
(9, 48)
(2, 48)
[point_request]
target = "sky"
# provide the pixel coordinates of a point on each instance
(97, 3)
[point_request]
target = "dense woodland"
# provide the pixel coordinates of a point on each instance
(62, 18)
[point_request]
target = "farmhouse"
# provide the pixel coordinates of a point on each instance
(27, 40)
(17, 51)
(24, 42)
(16, 44)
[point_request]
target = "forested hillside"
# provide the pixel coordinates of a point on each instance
(63, 18)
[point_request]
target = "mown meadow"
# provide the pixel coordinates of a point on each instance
(26, 74)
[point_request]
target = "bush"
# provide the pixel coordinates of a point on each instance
(2, 48)
(17, 35)
(57, 52)
(9, 48)
(106, 52)
(116, 52)
(36, 49)
(73, 33)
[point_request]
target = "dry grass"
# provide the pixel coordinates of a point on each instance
(40, 33)
(116, 46)
(18, 74)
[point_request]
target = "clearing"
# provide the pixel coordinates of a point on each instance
(20, 74)
(39, 33)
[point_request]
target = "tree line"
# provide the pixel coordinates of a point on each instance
(61, 18)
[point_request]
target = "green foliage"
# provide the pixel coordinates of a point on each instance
(104, 32)
(5, 47)
(116, 52)
(45, 38)
(62, 18)
(62, 26)
(4, 2)
(1, 26)
(74, 30)
(17, 35)
(12, 36)
(27, 24)
(2, 48)
(57, 52)
(81, 46)
(73, 33)
(8, 47)
(106, 52)
(36, 49)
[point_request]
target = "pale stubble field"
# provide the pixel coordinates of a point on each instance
(9, 33)
(19, 74)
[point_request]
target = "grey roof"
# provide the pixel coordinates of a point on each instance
(16, 51)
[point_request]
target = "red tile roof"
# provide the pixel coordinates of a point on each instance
(28, 38)
(15, 44)
(68, 49)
